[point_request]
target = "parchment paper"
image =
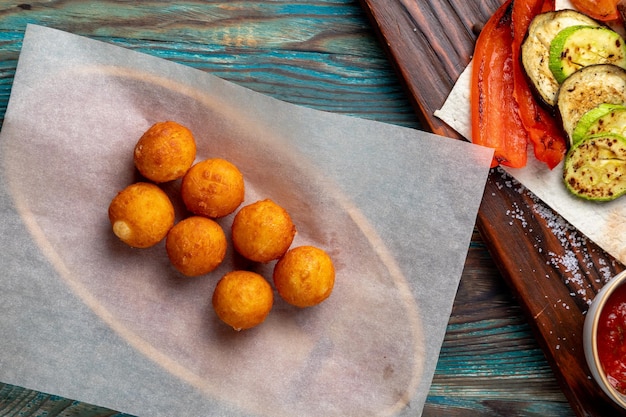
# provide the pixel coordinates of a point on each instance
(84, 316)
(604, 223)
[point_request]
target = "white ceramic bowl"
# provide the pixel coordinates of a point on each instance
(590, 332)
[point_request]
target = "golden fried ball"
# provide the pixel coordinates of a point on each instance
(141, 215)
(213, 188)
(196, 245)
(165, 152)
(242, 299)
(305, 276)
(262, 231)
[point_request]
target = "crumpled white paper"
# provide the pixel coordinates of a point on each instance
(84, 316)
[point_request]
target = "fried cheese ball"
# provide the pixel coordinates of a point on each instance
(305, 276)
(165, 152)
(141, 215)
(213, 188)
(242, 299)
(262, 231)
(196, 245)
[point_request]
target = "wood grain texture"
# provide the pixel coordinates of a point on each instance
(488, 365)
(429, 44)
(324, 55)
(553, 270)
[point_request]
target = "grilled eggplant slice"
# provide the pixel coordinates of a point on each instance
(536, 49)
(605, 118)
(586, 89)
(579, 46)
(595, 168)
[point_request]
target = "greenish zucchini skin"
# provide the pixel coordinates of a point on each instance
(535, 50)
(595, 168)
(576, 65)
(588, 88)
(579, 46)
(605, 118)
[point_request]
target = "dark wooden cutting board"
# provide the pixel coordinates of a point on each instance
(552, 268)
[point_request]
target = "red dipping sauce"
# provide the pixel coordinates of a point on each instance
(612, 339)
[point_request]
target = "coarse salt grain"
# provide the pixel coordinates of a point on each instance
(572, 241)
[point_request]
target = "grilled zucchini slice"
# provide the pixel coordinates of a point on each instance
(535, 50)
(605, 118)
(586, 89)
(580, 46)
(595, 168)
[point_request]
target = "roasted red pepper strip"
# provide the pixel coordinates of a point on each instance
(548, 5)
(544, 131)
(495, 117)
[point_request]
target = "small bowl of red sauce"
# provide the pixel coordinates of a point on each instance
(604, 338)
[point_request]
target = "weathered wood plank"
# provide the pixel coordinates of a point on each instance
(335, 27)
(321, 81)
(18, 401)
(519, 229)
(321, 54)
(490, 364)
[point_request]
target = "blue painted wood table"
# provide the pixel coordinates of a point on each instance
(321, 54)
